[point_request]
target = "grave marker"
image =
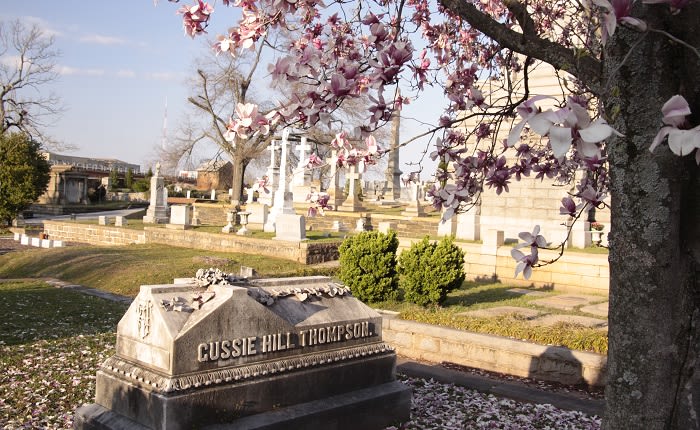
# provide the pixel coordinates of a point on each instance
(294, 352)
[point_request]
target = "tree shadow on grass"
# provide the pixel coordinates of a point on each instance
(35, 311)
(470, 296)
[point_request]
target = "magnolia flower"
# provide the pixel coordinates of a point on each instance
(681, 142)
(533, 240)
(525, 262)
(618, 11)
(569, 207)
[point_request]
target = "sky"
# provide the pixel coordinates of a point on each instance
(120, 62)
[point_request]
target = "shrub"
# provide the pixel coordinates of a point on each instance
(368, 265)
(430, 270)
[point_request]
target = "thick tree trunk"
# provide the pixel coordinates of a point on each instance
(654, 338)
(237, 180)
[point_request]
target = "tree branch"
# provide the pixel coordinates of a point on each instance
(583, 67)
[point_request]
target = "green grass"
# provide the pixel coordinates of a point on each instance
(51, 344)
(33, 310)
(478, 295)
(123, 269)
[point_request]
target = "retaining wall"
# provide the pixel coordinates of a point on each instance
(435, 344)
(92, 234)
(302, 252)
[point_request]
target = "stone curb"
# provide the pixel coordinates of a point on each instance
(499, 388)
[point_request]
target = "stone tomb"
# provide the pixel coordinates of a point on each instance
(290, 353)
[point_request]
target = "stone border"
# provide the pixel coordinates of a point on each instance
(436, 344)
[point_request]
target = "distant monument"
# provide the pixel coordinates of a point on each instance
(220, 351)
(157, 212)
(392, 174)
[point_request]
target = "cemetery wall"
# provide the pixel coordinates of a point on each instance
(405, 226)
(573, 272)
(92, 234)
(302, 252)
(435, 344)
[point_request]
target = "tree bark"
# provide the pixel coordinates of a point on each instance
(654, 343)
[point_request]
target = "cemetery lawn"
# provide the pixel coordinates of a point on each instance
(122, 270)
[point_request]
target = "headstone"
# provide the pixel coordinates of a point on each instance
(17, 237)
(157, 212)
(338, 226)
(447, 227)
(180, 217)
(120, 221)
(290, 227)
(414, 208)
(46, 243)
(335, 191)
(188, 194)
(247, 272)
(258, 215)
(104, 220)
(58, 244)
(213, 195)
(273, 353)
(385, 226)
(24, 240)
(493, 240)
(301, 176)
(352, 202)
(35, 241)
(469, 224)
(282, 199)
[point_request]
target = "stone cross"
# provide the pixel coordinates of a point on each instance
(273, 169)
(303, 148)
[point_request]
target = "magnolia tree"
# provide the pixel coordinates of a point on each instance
(626, 125)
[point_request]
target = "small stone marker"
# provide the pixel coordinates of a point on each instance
(104, 220)
(180, 217)
(120, 221)
(566, 302)
(600, 309)
(223, 351)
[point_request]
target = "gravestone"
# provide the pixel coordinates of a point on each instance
(157, 212)
(301, 176)
(414, 208)
(180, 217)
(230, 353)
(352, 202)
(335, 191)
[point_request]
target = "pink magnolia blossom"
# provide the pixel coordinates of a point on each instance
(195, 18)
(525, 262)
(681, 141)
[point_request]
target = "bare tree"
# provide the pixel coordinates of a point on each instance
(27, 65)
